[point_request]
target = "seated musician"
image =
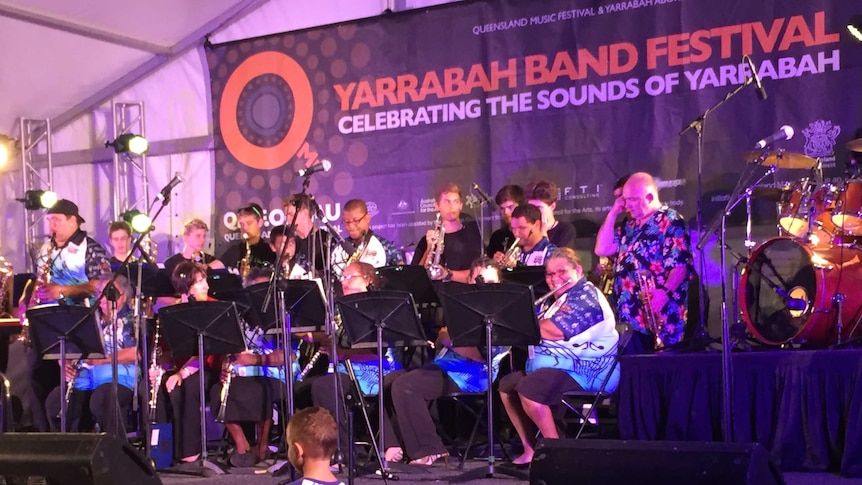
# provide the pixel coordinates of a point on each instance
(533, 247)
(90, 393)
(194, 240)
(369, 247)
(455, 369)
(576, 352)
(247, 392)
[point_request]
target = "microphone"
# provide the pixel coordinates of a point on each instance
(793, 304)
(761, 93)
(323, 166)
(165, 194)
(484, 196)
(784, 133)
(339, 239)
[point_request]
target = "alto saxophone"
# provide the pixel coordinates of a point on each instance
(227, 366)
(512, 256)
(432, 264)
(652, 320)
(245, 262)
(157, 381)
(44, 276)
(357, 254)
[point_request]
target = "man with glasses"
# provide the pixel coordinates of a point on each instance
(368, 247)
(653, 243)
(577, 350)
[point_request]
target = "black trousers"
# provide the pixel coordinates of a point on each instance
(186, 406)
(87, 408)
(411, 394)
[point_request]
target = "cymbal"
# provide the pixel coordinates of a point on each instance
(772, 194)
(855, 145)
(781, 159)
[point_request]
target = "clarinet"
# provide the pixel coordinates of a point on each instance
(310, 365)
(70, 386)
(157, 382)
(225, 389)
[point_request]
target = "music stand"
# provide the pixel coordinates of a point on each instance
(60, 332)
(199, 329)
(484, 316)
(527, 275)
(131, 272)
(158, 285)
(412, 279)
(222, 280)
(368, 320)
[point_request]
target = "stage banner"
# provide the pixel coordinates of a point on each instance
(578, 92)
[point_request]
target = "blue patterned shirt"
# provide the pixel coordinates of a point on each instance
(470, 375)
(91, 377)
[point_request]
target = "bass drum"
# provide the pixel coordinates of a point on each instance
(806, 274)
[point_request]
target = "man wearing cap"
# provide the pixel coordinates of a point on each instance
(68, 268)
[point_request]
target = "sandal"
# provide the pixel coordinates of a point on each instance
(430, 459)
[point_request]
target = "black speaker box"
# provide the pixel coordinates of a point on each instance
(607, 462)
(73, 458)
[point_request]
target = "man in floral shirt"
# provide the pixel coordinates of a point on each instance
(653, 242)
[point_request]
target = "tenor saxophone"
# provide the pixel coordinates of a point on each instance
(652, 320)
(44, 276)
(245, 262)
(432, 264)
(160, 373)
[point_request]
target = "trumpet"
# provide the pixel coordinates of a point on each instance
(245, 262)
(512, 256)
(652, 319)
(435, 269)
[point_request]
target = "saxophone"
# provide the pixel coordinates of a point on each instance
(6, 272)
(245, 262)
(226, 366)
(160, 373)
(606, 276)
(44, 276)
(512, 256)
(432, 264)
(652, 319)
(358, 253)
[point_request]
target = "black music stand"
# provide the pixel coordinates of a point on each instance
(222, 280)
(527, 275)
(199, 329)
(483, 316)
(131, 272)
(158, 285)
(60, 332)
(368, 320)
(412, 279)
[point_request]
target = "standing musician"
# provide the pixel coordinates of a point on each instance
(652, 243)
(533, 247)
(455, 369)
(91, 379)
(369, 247)
(507, 198)
(309, 241)
(68, 268)
(604, 270)
(120, 239)
(462, 243)
(194, 240)
(258, 254)
(544, 195)
(8, 310)
(577, 351)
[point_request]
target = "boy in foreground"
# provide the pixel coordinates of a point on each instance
(312, 437)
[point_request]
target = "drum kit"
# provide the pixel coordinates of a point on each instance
(800, 287)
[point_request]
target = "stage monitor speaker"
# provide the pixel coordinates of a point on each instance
(611, 462)
(73, 458)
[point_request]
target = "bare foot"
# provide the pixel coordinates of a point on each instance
(524, 459)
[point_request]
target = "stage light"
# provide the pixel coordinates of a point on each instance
(8, 149)
(139, 221)
(855, 27)
(38, 199)
(129, 143)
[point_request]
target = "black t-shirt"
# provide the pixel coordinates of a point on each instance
(305, 248)
(562, 235)
(500, 241)
(460, 248)
(178, 258)
(261, 254)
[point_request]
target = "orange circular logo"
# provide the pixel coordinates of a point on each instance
(246, 152)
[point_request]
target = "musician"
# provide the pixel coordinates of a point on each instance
(507, 198)
(533, 244)
(194, 240)
(250, 220)
(68, 268)
(604, 268)
(544, 195)
(462, 242)
(655, 240)
(455, 369)
(576, 352)
(182, 382)
(120, 239)
(7, 310)
(368, 247)
(310, 241)
(91, 389)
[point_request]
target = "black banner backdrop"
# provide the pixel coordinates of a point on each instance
(513, 91)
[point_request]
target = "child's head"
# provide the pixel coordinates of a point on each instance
(311, 435)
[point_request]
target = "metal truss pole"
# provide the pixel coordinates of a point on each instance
(128, 167)
(35, 133)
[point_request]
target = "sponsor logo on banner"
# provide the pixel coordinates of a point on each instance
(581, 192)
(427, 206)
(820, 141)
(373, 210)
(402, 208)
(471, 201)
(275, 217)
